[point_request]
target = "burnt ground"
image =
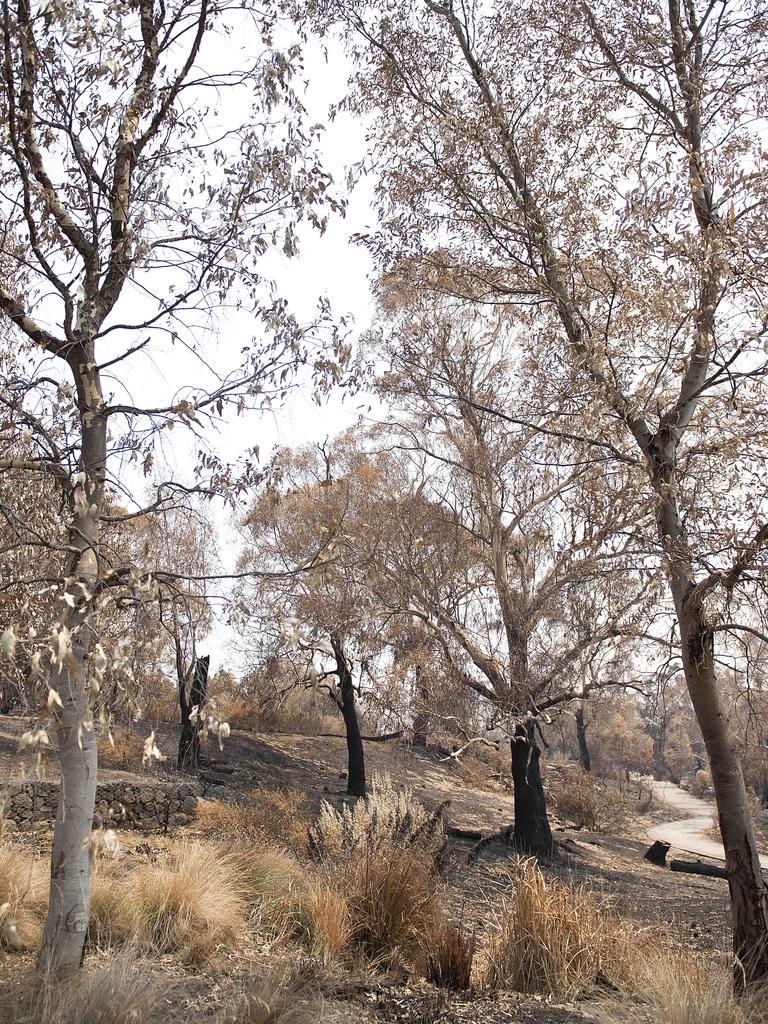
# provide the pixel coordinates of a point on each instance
(692, 908)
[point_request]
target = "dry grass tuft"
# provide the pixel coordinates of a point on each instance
(681, 988)
(122, 991)
(191, 904)
(286, 902)
(393, 900)
(276, 997)
(448, 955)
(330, 930)
(276, 816)
(126, 752)
(386, 855)
(552, 940)
(23, 899)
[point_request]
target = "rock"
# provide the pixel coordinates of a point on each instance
(189, 804)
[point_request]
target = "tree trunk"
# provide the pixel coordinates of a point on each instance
(421, 718)
(657, 853)
(66, 924)
(749, 895)
(659, 736)
(531, 832)
(355, 751)
(581, 733)
(189, 741)
(694, 867)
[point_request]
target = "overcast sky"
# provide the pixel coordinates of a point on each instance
(328, 265)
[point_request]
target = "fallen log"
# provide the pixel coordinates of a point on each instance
(657, 853)
(473, 834)
(695, 867)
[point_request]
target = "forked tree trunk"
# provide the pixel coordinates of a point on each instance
(189, 741)
(347, 706)
(66, 923)
(581, 734)
(532, 832)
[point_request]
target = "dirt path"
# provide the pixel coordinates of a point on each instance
(690, 833)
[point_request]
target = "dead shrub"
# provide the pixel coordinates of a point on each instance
(260, 709)
(551, 939)
(24, 886)
(125, 752)
(582, 800)
(448, 953)
(276, 816)
(162, 706)
(701, 782)
(242, 714)
(485, 767)
(390, 818)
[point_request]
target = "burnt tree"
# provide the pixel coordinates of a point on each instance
(189, 741)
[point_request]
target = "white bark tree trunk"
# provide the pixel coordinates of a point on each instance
(66, 925)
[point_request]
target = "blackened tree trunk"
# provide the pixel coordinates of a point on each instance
(189, 741)
(421, 718)
(531, 832)
(581, 734)
(355, 752)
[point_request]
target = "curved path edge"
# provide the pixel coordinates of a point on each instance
(689, 833)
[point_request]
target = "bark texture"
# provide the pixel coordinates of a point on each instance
(531, 831)
(581, 734)
(66, 924)
(189, 741)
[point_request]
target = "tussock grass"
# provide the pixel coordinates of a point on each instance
(390, 819)
(681, 988)
(190, 904)
(448, 955)
(288, 902)
(393, 902)
(552, 939)
(331, 930)
(386, 855)
(24, 883)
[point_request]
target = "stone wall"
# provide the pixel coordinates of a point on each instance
(148, 806)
